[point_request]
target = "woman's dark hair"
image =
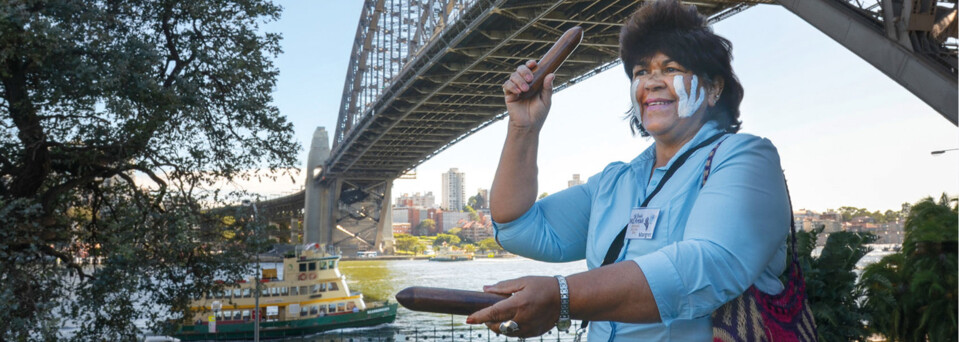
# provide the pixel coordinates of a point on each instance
(681, 33)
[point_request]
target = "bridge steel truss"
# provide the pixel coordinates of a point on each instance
(425, 74)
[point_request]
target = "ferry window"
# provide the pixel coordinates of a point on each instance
(312, 266)
(341, 307)
(323, 265)
(303, 311)
(264, 292)
(304, 289)
(236, 315)
(322, 287)
(274, 291)
(284, 291)
(316, 288)
(302, 267)
(236, 293)
(333, 286)
(246, 315)
(219, 315)
(293, 291)
(246, 293)
(313, 310)
(333, 264)
(332, 308)
(209, 295)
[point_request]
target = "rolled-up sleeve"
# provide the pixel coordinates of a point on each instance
(734, 230)
(554, 229)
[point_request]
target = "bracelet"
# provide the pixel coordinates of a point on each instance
(564, 322)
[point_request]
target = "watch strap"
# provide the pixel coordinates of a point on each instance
(564, 321)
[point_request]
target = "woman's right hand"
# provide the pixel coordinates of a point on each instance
(527, 114)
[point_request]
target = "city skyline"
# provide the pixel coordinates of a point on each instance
(846, 133)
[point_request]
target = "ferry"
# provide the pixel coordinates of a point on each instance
(312, 297)
(448, 254)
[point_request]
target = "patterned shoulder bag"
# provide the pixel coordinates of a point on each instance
(757, 316)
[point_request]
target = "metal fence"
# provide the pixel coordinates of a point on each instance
(392, 333)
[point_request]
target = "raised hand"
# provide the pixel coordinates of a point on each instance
(529, 113)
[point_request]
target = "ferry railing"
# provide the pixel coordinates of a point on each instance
(470, 333)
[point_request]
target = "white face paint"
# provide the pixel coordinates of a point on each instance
(636, 110)
(688, 104)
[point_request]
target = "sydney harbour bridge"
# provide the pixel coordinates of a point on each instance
(425, 74)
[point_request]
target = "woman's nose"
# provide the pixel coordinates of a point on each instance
(654, 81)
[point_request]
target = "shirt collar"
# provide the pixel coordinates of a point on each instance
(709, 129)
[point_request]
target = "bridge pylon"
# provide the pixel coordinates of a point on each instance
(346, 213)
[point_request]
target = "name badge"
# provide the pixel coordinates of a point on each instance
(642, 223)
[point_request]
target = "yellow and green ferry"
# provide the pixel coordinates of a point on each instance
(311, 297)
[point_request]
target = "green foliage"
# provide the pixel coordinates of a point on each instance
(472, 212)
(489, 244)
(425, 227)
(469, 248)
(449, 240)
(543, 195)
(849, 213)
(119, 117)
(911, 295)
(831, 283)
(409, 243)
(477, 201)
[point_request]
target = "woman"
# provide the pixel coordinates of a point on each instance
(695, 246)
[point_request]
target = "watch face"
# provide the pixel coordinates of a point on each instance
(563, 325)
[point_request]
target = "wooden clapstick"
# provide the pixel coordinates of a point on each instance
(553, 59)
(447, 301)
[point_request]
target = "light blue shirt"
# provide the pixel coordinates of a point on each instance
(708, 246)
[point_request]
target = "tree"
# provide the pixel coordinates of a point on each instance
(406, 242)
(425, 227)
(831, 283)
(543, 195)
(476, 201)
(911, 295)
(469, 248)
(119, 117)
(490, 244)
(449, 240)
(472, 212)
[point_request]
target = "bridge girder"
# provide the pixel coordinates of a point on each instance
(459, 70)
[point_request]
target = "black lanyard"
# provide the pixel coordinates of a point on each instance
(613, 252)
(617, 245)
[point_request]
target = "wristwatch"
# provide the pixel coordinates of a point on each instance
(563, 323)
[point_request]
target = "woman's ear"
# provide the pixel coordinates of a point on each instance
(715, 90)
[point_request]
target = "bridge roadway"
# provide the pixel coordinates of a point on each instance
(425, 74)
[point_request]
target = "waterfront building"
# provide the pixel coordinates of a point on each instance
(575, 181)
(416, 200)
(402, 228)
(454, 194)
(484, 204)
(451, 219)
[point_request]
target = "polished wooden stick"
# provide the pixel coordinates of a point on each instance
(446, 301)
(553, 59)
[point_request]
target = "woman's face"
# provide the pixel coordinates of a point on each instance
(672, 101)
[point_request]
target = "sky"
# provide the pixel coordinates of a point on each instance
(847, 134)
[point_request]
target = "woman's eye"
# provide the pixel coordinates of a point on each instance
(640, 73)
(671, 69)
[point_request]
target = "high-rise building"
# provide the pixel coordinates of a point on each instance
(575, 181)
(484, 194)
(454, 193)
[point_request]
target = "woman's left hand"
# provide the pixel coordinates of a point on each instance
(534, 306)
